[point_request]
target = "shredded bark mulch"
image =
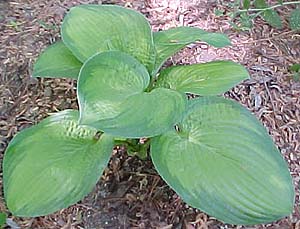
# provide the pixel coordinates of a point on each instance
(131, 194)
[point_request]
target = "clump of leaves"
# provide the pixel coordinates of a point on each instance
(212, 151)
(244, 12)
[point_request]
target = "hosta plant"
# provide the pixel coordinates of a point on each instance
(211, 151)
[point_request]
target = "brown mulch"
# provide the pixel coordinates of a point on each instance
(131, 193)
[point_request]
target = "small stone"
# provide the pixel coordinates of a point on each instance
(32, 81)
(48, 92)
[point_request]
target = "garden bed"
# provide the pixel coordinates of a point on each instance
(131, 193)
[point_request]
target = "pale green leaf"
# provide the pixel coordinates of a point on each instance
(89, 29)
(52, 165)
(170, 41)
(223, 162)
(260, 4)
(295, 19)
(105, 81)
(146, 114)
(57, 61)
(112, 99)
(210, 78)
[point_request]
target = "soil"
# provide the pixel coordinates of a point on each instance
(130, 193)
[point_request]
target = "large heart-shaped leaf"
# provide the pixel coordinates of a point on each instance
(57, 61)
(112, 99)
(53, 165)
(223, 162)
(210, 78)
(170, 41)
(89, 29)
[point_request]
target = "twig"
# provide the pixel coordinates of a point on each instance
(269, 94)
(269, 8)
(265, 39)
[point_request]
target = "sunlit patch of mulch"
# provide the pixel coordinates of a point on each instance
(130, 193)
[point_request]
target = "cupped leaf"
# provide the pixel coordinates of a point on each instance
(295, 19)
(170, 41)
(89, 29)
(53, 165)
(57, 61)
(146, 114)
(223, 162)
(210, 78)
(112, 99)
(105, 81)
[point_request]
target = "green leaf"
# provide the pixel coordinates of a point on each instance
(223, 162)
(219, 12)
(57, 61)
(106, 81)
(112, 99)
(273, 18)
(210, 78)
(295, 19)
(146, 114)
(246, 4)
(89, 29)
(52, 165)
(245, 21)
(170, 41)
(296, 76)
(270, 15)
(295, 68)
(260, 4)
(3, 217)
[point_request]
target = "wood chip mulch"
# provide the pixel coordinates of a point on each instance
(131, 194)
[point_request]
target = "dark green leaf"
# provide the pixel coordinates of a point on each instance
(295, 19)
(57, 61)
(246, 4)
(89, 29)
(211, 78)
(273, 18)
(112, 99)
(295, 67)
(223, 162)
(2, 219)
(170, 41)
(52, 165)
